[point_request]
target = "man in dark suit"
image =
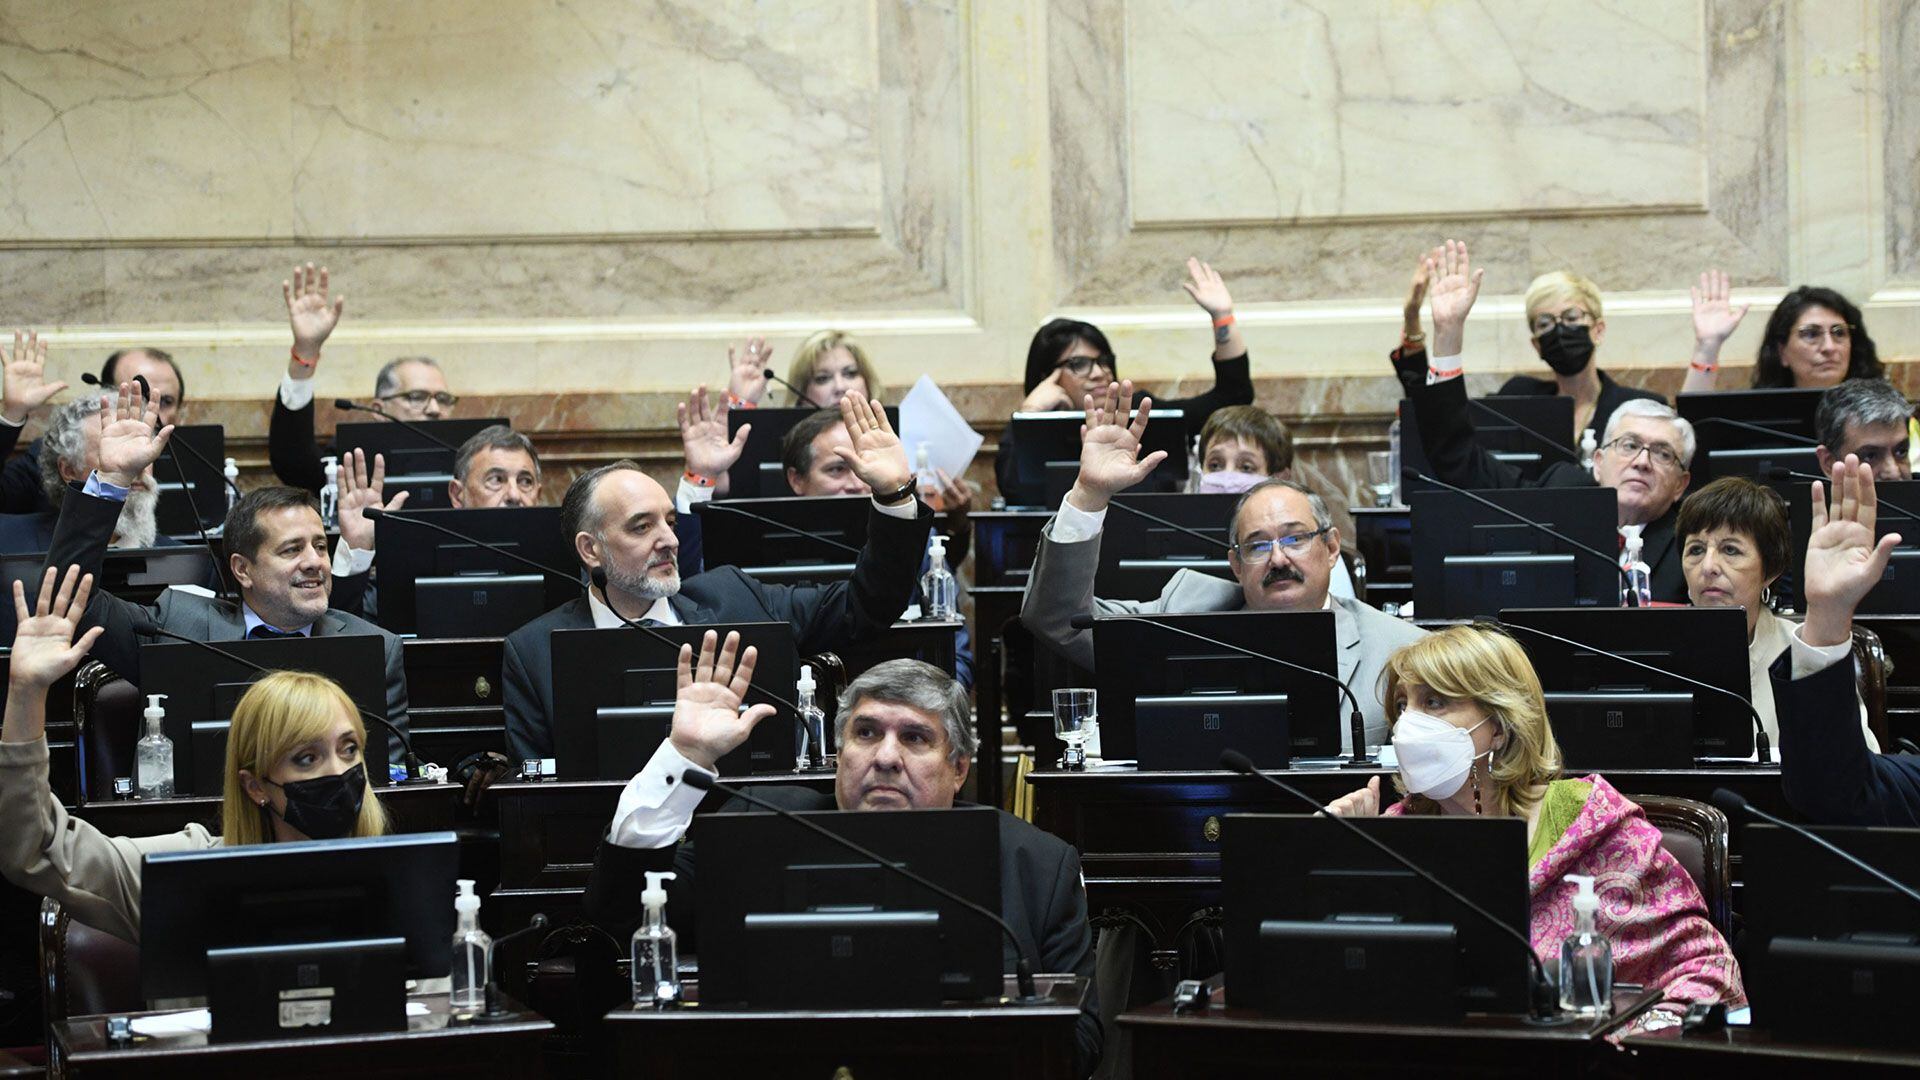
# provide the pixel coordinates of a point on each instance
(621, 522)
(906, 741)
(1644, 453)
(69, 454)
(276, 550)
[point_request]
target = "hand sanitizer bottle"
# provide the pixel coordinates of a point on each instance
(1586, 958)
(810, 727)
(923, 474)
(1393, 456)
(656, 952)
(1636, 588)
(1589, 446)
(153, 755)
(472, 953)
(330, 493)
(937, 587)
(232, 472)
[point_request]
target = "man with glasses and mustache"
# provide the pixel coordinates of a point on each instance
(1644, 452)
(1284, 550)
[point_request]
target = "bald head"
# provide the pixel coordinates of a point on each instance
(621, 520)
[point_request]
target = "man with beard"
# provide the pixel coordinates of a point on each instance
(70, 452)
(28, 390)
(621, 523)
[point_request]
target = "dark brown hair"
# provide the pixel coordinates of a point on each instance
(1257, 426)
(1738, 503)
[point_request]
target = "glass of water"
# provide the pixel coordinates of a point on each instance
(1075, 712)
(1380, 476)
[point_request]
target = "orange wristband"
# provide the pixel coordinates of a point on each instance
(298, 360)
(696, 479)
(1224, 320)
(736, 401)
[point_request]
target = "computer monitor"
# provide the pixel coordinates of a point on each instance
(1832, 954)
(1527, 431)
(758, 473)
(415, 464)
(205, 482)
(1470, 560)
(1725, 423)
(809, 544)
(475, 592)
(1322, 924)
(613, 694)
(789, 920)
(1898, 592)
(1138, 555)
(202, 689)
(300, 938)
(1610, 715)
(139, 575)
(1142, 660)
(1047, 450)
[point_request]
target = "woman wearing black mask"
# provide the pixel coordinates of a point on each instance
(1565, 324)
(294, 772)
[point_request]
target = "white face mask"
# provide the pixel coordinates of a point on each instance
(1230, 481)
(1435, 757)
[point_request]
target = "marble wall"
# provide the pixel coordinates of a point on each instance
(576, 204)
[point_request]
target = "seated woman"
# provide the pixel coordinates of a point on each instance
(825, 368)
(1471, 736)
(1815, 338)
(294, 772)
(1069, 359)
(1733, 547)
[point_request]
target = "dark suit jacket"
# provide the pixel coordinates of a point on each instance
(1446, 433)
(1826, 771)
(291, 448)
(1612, 395)
(824, 617)
(1041, 895)
(20, 490)
(86, 522)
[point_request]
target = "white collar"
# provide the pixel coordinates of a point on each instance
(250, 619)
(605, 619)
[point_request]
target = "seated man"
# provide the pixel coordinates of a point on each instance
(1866, 418)
(69, 453)
(22, 487)
(1284, 549)
(1644, 453)
(411, 387)
(1827, 771)
(276, 551)
(497, 467)
(1242, 445)
(621, 523)
(906, 740)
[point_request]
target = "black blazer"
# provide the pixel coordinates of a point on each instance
(291, 448)
(20, 490)
(1446, 434)
(1826, 771)
(1612, 395)
(1041, 896)
(824, 618)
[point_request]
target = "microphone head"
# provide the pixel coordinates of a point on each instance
(346, 403)
(373, 513)
(1779, 472)
(769, 374)
(697, 780)
(90, 378)
(1730, 802)
(144, 625)
(1237, 761)
(1083, 621)
(598, 575)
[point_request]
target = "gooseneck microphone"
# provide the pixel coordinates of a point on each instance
(1023, 967)
(798, 394)
(493, 1013)
(1732, 803)
(1543, 1004)
(1758, 429)
(777, 523)
(1360, 758)
(1211, 541)
(1781, 472)
(599, 575)
(1612, 561)
(414, 772)
(350, 405)
(1546, 440)
(1760, 741)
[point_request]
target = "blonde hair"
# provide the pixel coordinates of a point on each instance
(276, 716)
(1482, 664)
(1549, 290)
(800, 372)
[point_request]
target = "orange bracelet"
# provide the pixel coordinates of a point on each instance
(302, 362)
(1704, 369)
(737, 402)
(1224, 320)
(696, 479)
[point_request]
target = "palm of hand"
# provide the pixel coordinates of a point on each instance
(1714, 319)
(40, 648)
(707, 714)
(311, 316)
(1840, 560)
(708, 450)
(1211, 295)
(1451, 297)
(883, 461)
(1109, 457)
(127, 446)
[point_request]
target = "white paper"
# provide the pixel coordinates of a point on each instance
(200, 1021)
(926, 416)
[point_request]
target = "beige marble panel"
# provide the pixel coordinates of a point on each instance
(1279, 110)
(1900, 69)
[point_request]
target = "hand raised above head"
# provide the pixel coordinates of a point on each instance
(708, 723)
(703, 435)
(27, 388)
(1714, 316)
(128, 441)
(1110, 445)
(876, 457)
(747, 370)
(311, 315)
(1844, 562)
(43, 644)
(358, 494)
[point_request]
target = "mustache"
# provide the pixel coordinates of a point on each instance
(1278, 573)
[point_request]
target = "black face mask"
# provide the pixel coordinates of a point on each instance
(1566, 349)
(325, 807)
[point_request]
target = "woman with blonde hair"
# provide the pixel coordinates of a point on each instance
(1470, 736)
(294, 772)
(827, 366)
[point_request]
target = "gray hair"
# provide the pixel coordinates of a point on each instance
(1322, 518)
(66, 444)
(1857, 401)
(497, 437)
(578, 511)
(1648, 409)
(388, 380)
(917, 685)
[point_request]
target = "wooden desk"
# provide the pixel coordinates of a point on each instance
(1014, 1042)
(411, 808)
(432, 1045)
(454, 702)
(1753, 1054)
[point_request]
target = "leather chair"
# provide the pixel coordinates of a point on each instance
(1695, 834)
(84, 971)
(106, 720)
(1871, 668)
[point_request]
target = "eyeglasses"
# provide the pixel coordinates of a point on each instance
(497, 482)
(1811, 335)
(419, 398)
(1259, 552)
(1627, 447)
(1080, 365)
(1546, 321)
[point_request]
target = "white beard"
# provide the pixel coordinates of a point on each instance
(645, 586)
(139, 524)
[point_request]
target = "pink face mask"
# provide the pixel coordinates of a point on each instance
(1230, 482)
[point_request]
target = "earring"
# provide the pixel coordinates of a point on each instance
(1473, 777)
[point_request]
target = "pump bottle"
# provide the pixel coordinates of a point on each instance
(153, 755)
(810, 727)
(330, 493)
(1636, 578)
(1586, 958)
(231, 470)
(656, 952)
(472, 953)
(1589, 446)
(927, 479)
(937, 587)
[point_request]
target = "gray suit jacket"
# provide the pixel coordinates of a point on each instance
(1062, 586)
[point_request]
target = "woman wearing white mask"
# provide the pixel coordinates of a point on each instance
(1470, 734)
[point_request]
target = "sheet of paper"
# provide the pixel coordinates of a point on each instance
(926, 416)
(200, 1021)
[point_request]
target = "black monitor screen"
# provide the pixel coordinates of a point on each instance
(785, 540)
(411, 552)
(1471, 560)
(406, 451)
(193, 489)
(1047, 449)
(1746, 420)
(1138, 554)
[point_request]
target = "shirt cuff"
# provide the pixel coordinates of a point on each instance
(689, 493)
(905, 511)
(11, 424)
(348, 561)
(1073, 525)
(296, 394)
(655, 807)
(100, 489)
(1809, 659)
(1436, 366)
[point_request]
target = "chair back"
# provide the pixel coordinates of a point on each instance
(84, 971)
(106, 721)
(1695, 834)
(1871, 667)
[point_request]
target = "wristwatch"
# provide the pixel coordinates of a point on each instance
(894, 498)
(1414, 337)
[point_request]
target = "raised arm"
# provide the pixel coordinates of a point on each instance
(747, 369)
(1714, 321)
(27, 389)
(312, 316)
(1455, 286)
(708, 452)
(44, 649)
(1110, 460)
(1210, 292)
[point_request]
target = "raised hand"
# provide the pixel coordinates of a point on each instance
(1049, 396)
(1362, 803)
(703, 435)
(1204, 285)
(1110, 460)
(311, 315)
(747, 370)
(1714, 317)
(1417, 292)
(128, 441)
(43, 645)
(707, 721)
(27, 387)
(358, 494)
(877, 457)
(1454, 286)
(1843, 561)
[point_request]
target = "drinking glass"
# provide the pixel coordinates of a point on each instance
(1380, 476)
(1074, 711)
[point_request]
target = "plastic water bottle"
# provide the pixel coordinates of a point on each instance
(1589, 446)
(472, 953)
(1393, 456)
(1586, 958)
(656, 951)
(1636, 579)
(810, 727)
(937, 586)
(330, 493)
(232, 472)
(153, 755)
(929, 482)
